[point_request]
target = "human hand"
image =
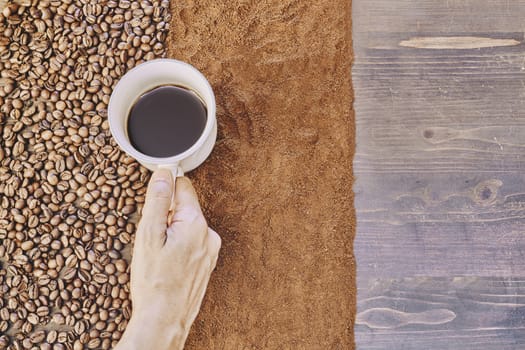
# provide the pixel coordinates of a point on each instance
(171, 266)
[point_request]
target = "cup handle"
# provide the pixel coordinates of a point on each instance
(177, 171)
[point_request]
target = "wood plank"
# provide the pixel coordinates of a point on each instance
(442, 313)
(439, 16)
(440, 250)
(439, 192)
(409, 198)
(443, 111)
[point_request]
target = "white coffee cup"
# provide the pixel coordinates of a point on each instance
(145, 77)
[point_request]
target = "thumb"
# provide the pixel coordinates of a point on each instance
(158, 200)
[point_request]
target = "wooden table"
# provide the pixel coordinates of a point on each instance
(440, 173)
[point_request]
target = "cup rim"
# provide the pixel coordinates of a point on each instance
(210, 121)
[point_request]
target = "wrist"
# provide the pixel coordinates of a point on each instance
(143, 333)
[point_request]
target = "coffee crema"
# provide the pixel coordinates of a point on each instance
(166, 121)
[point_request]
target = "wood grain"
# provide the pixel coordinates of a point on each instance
(442, 313)
(440, 190)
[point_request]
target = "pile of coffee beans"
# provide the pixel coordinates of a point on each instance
(69, 197)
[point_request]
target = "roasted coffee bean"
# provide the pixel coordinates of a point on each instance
(69, 194)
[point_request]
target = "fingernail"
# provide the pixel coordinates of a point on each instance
(161, 183)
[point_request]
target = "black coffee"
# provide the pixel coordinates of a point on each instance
(166, 121)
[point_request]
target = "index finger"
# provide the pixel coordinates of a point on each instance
(185, 196)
